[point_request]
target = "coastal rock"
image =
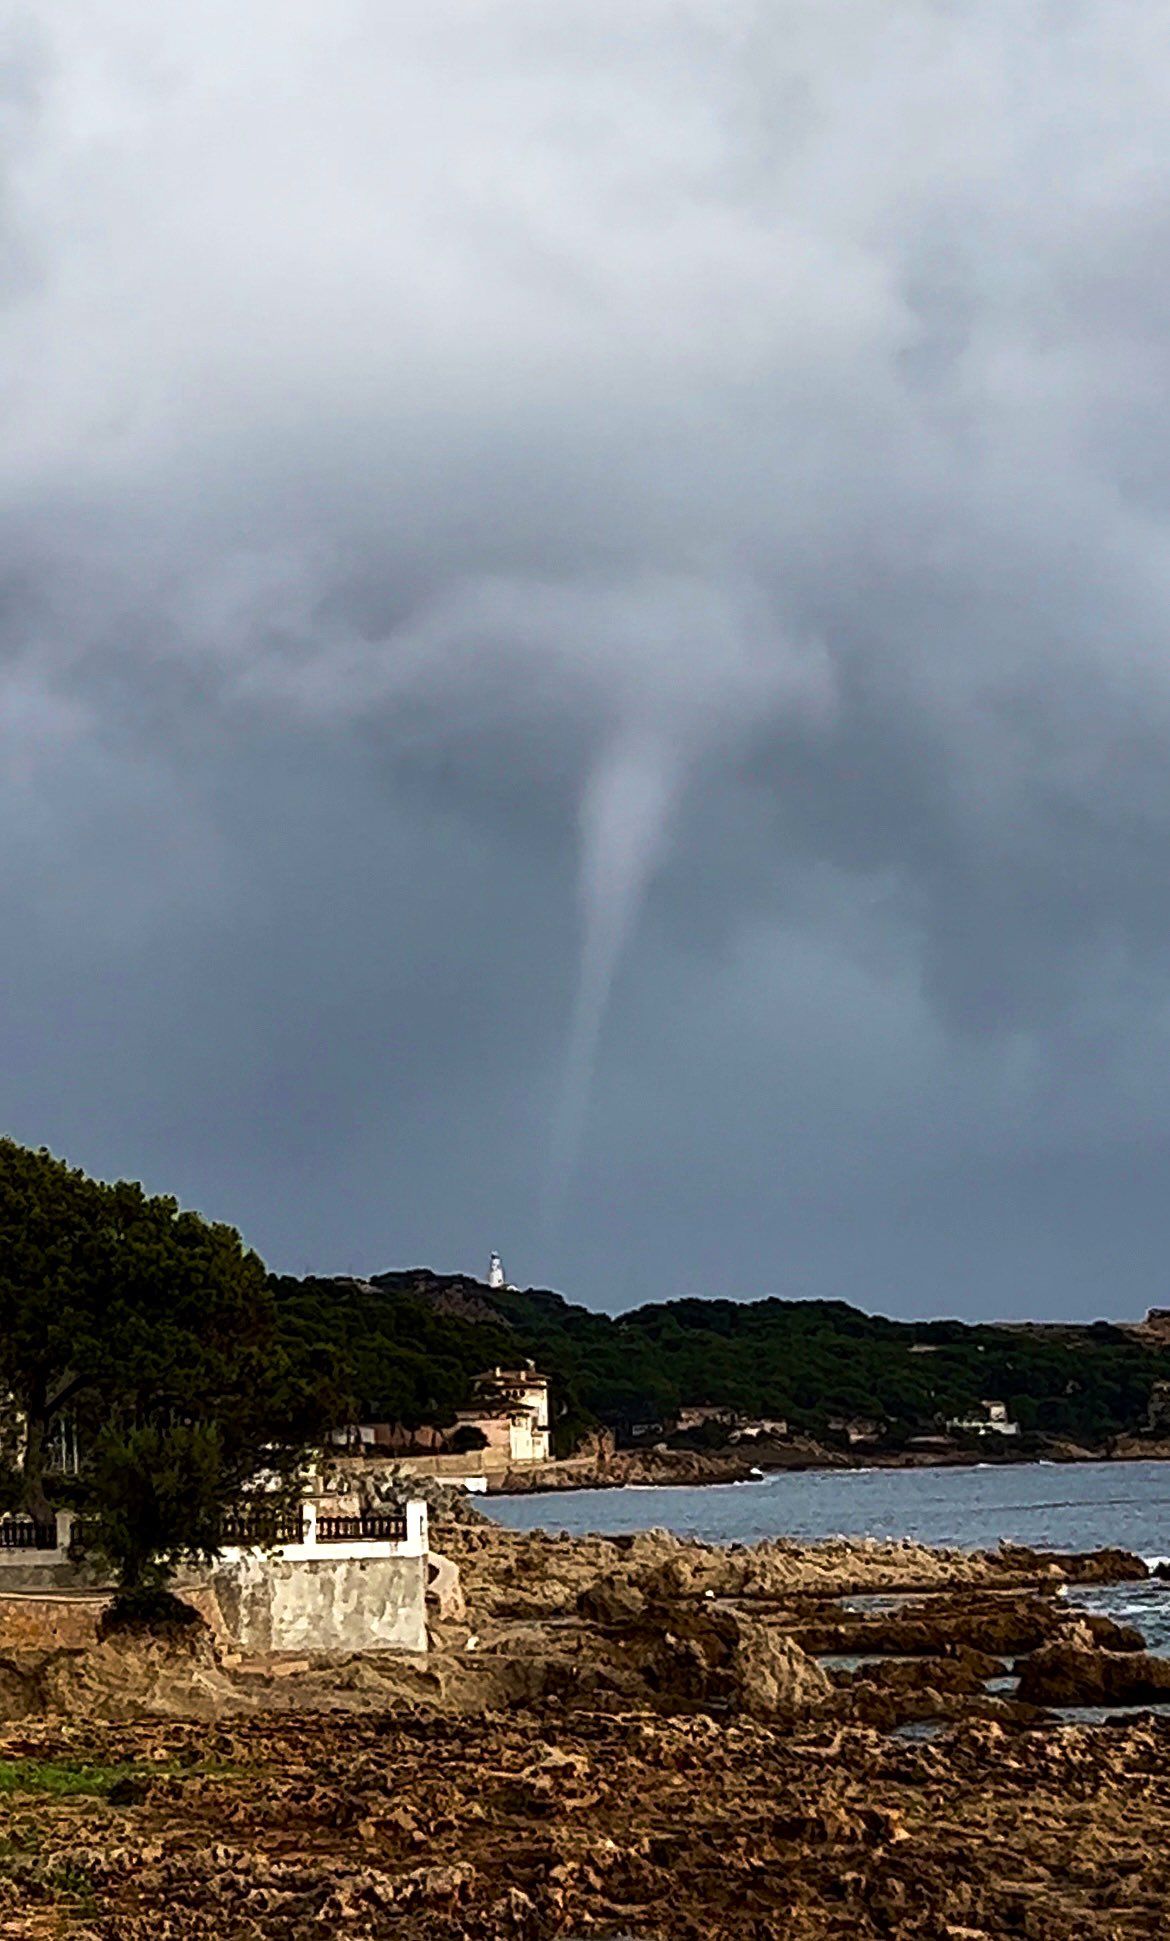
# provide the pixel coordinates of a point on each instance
(1069, 1672)
(640, 1467)
(773, 1571)
(963, 1672)
(1109, 1566)
(615, 1599)
(550, 1599)
(140, 1677)
(1108, 1635)
(517, 1825)
(998, 1626)
(706, 1658)
(692, 1573)
(771, 1677)
(19, 1696)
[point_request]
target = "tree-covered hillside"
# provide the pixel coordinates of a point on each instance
(137, 1319)
(404, 1349)
(414, 1340)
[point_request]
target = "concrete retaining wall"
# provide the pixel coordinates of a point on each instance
(357, 1595)
(347, 1604)
(254, 1603)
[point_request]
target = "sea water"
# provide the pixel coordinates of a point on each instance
(1060, 1506)
(1056, 1506)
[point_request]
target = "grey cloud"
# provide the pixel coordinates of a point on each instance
(478, 479)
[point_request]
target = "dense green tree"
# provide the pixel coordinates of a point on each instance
(55, 1287)
(161, 1334)
(157, 1494)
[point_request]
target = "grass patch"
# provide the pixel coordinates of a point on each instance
(91, 1779)
(66, 1778)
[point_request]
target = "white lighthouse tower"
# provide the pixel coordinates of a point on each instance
(496, 1272)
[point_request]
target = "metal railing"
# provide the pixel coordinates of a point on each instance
(253, 1527)
(245, 1529)
(262, 1527)
(25, 1533)
(375, 1526)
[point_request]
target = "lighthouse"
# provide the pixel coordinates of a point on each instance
(496, 1272)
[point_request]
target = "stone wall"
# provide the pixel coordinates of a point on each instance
(65, 1621)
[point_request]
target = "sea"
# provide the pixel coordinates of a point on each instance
(1053, 1506)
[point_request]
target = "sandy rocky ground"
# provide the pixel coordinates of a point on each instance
(635, 1738)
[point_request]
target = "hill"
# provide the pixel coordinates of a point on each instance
(412, 1341)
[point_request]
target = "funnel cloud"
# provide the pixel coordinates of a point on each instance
(625, 822)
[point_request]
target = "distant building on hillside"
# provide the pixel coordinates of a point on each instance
(388, 1439)
(995, 1421)
(634, 1428)
(856, 1428)
(738, 1426)
(511, 1413)
(1158, 1408)
(508, 1423)
(697, 1416)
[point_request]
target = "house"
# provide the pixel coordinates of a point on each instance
(699, 1416)
(994, 1421)
(387, 1439)
(509, 1423)
(855, 1428)
(511, 1414)
(753, 1428)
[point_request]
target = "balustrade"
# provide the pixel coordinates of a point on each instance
(24, 1533)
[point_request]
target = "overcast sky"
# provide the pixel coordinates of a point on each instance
(585, 634)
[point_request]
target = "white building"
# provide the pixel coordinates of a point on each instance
(512, 1413)
(994, 1421)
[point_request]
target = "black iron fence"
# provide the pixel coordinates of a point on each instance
(374, 1526)
(255, 1527)
(260, 1526)
(25, 1533)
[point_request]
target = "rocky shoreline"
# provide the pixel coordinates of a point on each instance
(742, 1462)
(633, 1736)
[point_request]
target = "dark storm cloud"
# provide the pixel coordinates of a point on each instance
(583, 610)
